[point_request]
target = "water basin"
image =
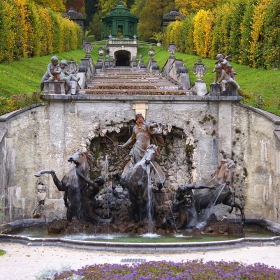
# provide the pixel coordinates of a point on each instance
(255, 234)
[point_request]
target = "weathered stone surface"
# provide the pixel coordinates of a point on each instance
(44, 137)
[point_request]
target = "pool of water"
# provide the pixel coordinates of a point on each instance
(251, 231)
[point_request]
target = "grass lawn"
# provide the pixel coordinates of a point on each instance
(24, 76)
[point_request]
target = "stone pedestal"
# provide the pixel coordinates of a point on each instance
(54, 87)
(201, 89)
(74, 86)
(216, 90)
(231, 90)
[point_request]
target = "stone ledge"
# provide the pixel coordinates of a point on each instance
(274, 118)
(10, 115)
(122, 97)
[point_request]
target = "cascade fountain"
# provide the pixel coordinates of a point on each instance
(158, 187)
(145, 205)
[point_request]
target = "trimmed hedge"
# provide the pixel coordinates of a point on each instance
(248, 30)
(28, 30)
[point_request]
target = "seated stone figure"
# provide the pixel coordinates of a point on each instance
(58, 72)
(224, 72)
(52, 73)
(224, 78)
(65, 73)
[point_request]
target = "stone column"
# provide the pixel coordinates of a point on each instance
(126, 29)
(225, 128)
(114, 29)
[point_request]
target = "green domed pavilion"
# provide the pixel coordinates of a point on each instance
(120, 23)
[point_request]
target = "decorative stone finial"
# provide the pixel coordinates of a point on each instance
(199, 70)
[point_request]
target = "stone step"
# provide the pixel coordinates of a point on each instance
(132, 83)
(139, 77)
(132, 86)
(138, 91)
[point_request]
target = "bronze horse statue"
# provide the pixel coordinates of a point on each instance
(221, 190)
(137, 180)
(189, 200)
(77, 187)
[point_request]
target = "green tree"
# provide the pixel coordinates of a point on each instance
(91, 7)
(96, 28)
(137, 7)
(157, 36)
(237, 12)
(151, 16)
(185, 42)
(245, 29)
(271, 35)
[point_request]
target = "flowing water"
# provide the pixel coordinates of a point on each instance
(251, 231)
(149, 204)
(209, 210)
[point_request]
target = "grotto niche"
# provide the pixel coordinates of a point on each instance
(153, 195)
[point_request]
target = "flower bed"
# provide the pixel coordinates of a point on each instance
(196, 269)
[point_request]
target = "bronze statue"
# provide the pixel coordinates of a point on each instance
(90, 204)
(76, 185)
(136, 180)
(184, 203)
(223, 191)
(143, 134)
(189, 200)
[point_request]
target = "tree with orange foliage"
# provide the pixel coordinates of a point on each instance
(75, 4)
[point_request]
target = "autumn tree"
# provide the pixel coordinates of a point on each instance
(202, 36)
(221, 30)
(105, 6)
(56, 5)
(75, 4)
(191, 6)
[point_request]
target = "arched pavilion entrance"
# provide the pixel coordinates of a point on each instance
(122, 58)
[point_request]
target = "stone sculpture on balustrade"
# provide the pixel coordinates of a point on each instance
(60, 78)
(224, 83)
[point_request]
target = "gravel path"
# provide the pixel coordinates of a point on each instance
(27, 262)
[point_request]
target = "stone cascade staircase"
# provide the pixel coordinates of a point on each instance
(128, 82)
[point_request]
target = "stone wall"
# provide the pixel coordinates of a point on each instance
(255, 148)
(198, 132)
